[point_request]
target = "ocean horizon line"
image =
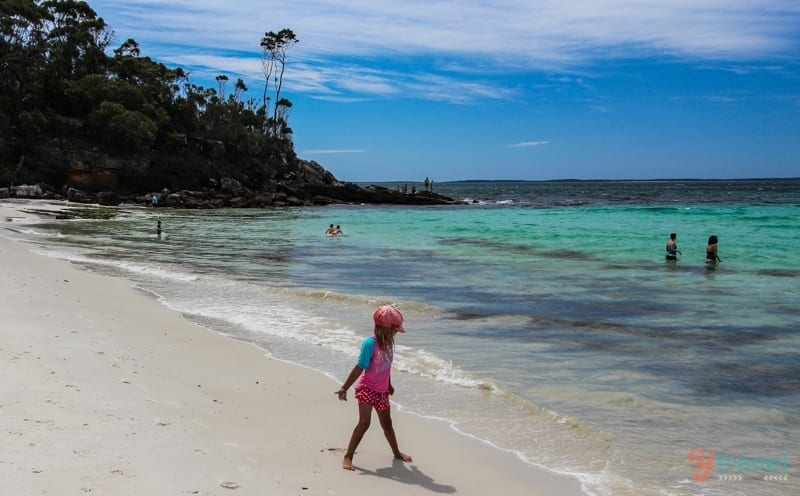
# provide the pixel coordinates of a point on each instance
(565, 180)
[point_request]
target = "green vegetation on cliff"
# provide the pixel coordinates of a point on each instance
(76, 111)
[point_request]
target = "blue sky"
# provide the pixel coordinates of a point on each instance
(386, 90)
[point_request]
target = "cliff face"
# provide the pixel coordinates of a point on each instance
(87, 169)
(69, 162)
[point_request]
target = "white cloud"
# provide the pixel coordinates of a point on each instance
(447, 44)
(536, 31)
(525, 144)
(330, 152)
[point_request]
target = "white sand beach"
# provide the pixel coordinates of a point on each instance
(105, 391)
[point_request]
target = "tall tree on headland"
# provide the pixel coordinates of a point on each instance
(273, 63)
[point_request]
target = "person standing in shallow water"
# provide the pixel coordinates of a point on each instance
(373, 372)
(672, 247)
(712, 255)
(158, 229)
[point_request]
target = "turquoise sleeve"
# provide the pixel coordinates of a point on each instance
(365, 356)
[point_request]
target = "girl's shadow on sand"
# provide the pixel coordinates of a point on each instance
(409, 474)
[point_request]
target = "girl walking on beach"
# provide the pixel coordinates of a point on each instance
(373, 372)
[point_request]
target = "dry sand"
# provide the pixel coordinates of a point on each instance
(105, 391)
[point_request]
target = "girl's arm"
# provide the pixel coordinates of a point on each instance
(353, 377)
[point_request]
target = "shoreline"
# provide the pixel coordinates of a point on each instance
(108, 391)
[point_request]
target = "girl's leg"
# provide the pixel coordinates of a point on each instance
(385, 418)
(364, 415)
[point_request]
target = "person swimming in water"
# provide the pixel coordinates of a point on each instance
(672, 247)
(334, 231)
(712, 256)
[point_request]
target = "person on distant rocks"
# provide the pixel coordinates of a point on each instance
(154, 200)
(672, 247)
(413, 189)
(427, 184)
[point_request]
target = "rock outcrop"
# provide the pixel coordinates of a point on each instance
(88, 175)
(238, 197)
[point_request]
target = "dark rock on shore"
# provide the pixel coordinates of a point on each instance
(232, 195)
(88, 175)
(298, 195)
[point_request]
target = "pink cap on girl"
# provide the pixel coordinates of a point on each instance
(389, 316)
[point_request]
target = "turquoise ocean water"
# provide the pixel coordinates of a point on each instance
(542, 317)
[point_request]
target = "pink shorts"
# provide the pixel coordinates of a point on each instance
(380, 401)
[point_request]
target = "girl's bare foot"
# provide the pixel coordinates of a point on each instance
(404, 457)
(347, 463)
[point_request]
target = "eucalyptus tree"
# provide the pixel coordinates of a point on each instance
(222, 79)
(43, 46)
(23, 55)
(282, 117)
(274, 46)
(239, 88)
(77, 40)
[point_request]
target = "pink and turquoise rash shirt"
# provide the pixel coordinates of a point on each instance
(377, 365)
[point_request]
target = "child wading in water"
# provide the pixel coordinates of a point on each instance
(373, 372)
